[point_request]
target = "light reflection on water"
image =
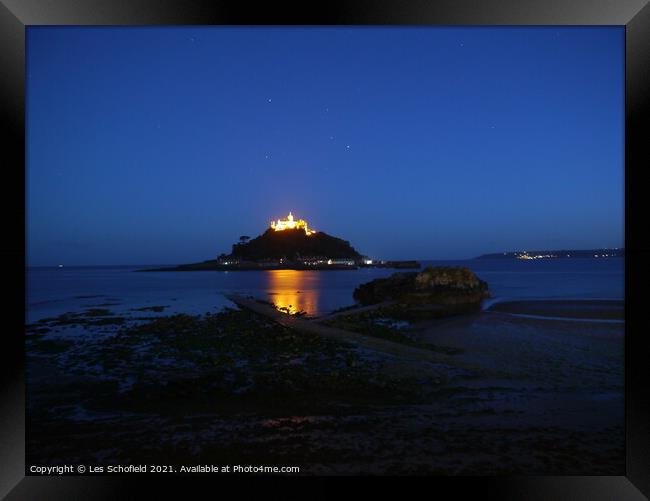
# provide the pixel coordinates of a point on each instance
(294, 291)
(54, 291)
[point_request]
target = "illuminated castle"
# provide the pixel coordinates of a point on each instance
(290, 224)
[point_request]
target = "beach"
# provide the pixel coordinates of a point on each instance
(550, 406)
(510, 394)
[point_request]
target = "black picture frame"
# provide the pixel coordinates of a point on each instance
(16, 15)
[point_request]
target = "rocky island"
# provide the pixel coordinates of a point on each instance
(290, 244)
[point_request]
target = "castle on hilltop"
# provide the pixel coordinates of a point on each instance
(291, 224)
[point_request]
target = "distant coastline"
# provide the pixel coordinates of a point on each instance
(557, 254)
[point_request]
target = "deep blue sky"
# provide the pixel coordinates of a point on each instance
(164, 145)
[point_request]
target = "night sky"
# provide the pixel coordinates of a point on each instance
(164, 145)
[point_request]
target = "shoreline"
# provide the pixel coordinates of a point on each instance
(563, 309)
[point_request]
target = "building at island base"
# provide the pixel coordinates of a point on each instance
(291, 224)
(317, 263)
(310, 261)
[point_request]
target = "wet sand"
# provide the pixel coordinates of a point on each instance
(600, 309)
(541, 397)
(552, 378)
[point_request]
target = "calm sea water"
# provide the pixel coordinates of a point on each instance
(53, 291)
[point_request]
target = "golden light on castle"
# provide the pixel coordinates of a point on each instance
(291, 224)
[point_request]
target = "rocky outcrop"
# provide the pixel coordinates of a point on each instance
(443, 290)
(385, 289)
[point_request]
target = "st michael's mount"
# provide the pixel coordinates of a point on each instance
(290, 244)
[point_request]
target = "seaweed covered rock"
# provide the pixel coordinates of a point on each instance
(450, 278)
(385, 289)
(456, 287)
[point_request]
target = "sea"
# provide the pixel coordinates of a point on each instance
(52, 291)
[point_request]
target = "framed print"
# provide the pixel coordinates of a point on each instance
(283, 245)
